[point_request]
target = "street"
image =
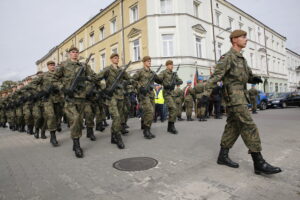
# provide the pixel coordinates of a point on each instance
(187, 170)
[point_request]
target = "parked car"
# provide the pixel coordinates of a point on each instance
(262, 100)
(293, 99)
(276, 100)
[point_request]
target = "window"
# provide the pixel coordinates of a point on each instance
(101, 35)
(262, 58)
(114, 50)
(280, 87)
(274, 67)
(258, 37)
(276, 87)
(92, 39)
(230, 20)
(134, 14)
(250, 33)
(196, 8)
(168, 45)
(81, 47)
(113, 26)
(102, 60)
(241, 25)
(166, 6)
(136, 50)
(251, 60)
(218, 15)
(271, 87)
(219, 50)
(199, 46)
(92, 63)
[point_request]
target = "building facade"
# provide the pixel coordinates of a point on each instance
(293, 67)
(193, 33)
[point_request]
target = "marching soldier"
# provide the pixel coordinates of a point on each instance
(233, 70)
(75, 98)
(179, 98)
(253, 93)
(146, 95)
(201, 99)
(189, 100)
(116, 103)
(169, 80)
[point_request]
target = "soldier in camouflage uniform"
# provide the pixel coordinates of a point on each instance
(189, 100)
(179, 98)
(233, 70)
(27, 108)
(99, 109)
(37, 109)
(253, 93)
(116, 101)
(11, 110)
(165, 77)
(19, 108)
(75, 100)
(201, 99)
(146, 95)
(3, 107)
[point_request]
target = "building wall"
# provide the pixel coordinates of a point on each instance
(293, 63)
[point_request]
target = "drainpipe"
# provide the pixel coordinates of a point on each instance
(267, 64)
(123, 33)
(213, 30)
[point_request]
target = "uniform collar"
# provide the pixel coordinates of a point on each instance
(238, 54)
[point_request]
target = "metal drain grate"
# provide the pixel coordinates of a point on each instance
(135, 164)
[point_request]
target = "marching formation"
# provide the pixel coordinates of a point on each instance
(73, 93)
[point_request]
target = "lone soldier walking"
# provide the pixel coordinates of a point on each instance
(253, 93)
(233, 69)
(179, 100)
(189, 100)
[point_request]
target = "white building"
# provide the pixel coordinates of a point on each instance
(293, 67)
(197, 31)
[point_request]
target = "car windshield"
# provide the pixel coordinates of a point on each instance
(281, 95)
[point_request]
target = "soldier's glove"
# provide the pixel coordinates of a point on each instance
(143, 91)
(257, 80)
(68, 92)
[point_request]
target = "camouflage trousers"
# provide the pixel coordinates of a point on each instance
(201, 108)
(100, 113)
(74, 110)
(170, 102)
(28, 117)
(253, 104)
(3, 116)
(11, 117)
(179, 109)
(116, 107)
(147, 105)
(126, 108)
(189, 108)
(20, 116)
(52, 115)
(239, 122)
(37, 112)
(89, 115)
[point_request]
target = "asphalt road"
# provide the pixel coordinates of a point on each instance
(187, 170)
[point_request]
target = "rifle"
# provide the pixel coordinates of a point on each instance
(173, 80)
(116, 83)
(148, 85)
(78, 76)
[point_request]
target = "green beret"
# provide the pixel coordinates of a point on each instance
(114, 55)
(73, 48)
(169, 62)
(146, 58)
(237, 33)
(50, 63)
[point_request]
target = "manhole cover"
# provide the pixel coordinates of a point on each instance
(135, 164)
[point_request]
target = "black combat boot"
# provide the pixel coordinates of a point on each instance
(30, 129)
(151, 134)
(43, 134)
(171, 128)
(126, 126)
(147, 133)
(23, 128)
(142, 124)
(77, 149)
(37, 133)
(117, 139)
(53, 140)
(59, 128)
(90, 133)
(180, 119)
(224, 159)
(4, 125)
(1, 124)
(124, 131)
(100, 127)
(261, 166)
(105, 124)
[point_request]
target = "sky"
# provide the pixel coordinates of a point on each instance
(30, 28)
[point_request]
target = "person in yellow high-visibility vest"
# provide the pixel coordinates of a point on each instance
(159, 103)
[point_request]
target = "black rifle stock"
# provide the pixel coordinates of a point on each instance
(173, 80)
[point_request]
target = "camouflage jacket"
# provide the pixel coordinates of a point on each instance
(109, 74)
(142, 77)
(66, 73)
(233, 70)
(188, 94)
(165, 77)
(178, 95)
(253, 93)
(200, 90)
